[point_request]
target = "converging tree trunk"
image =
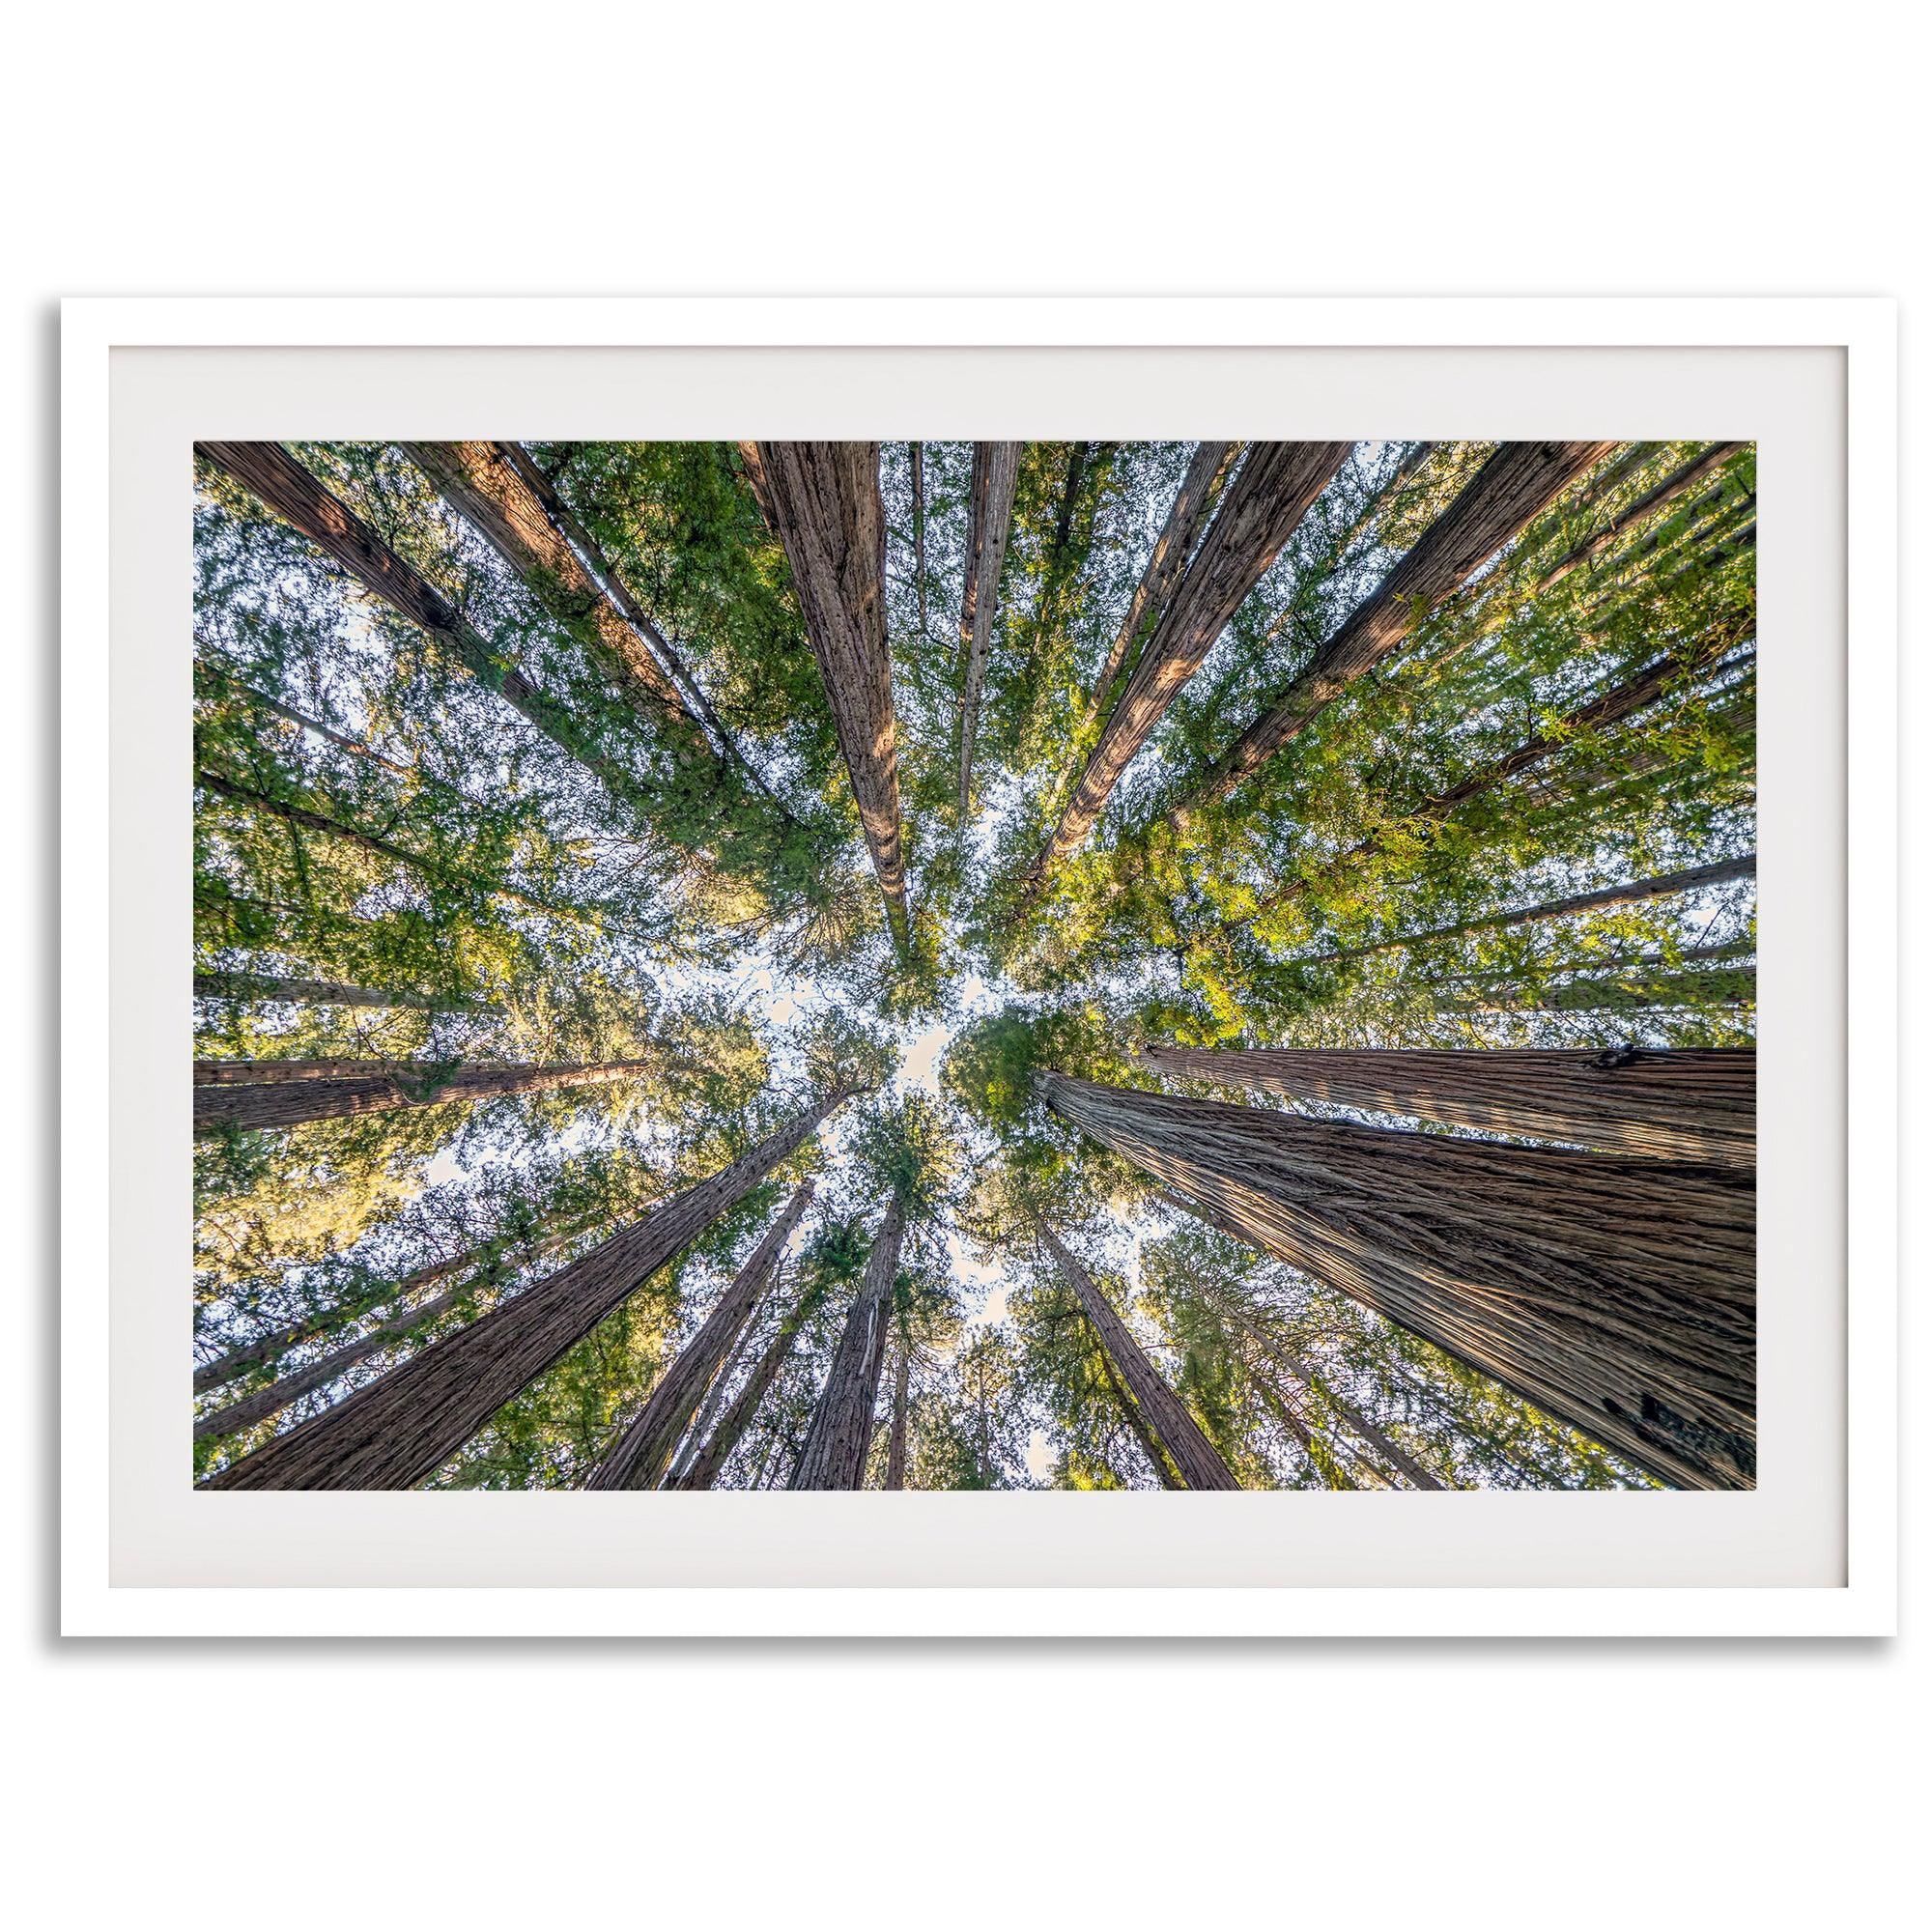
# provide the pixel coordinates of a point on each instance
(836, 1446)
(283, 1102)
(1259, 509)
(299, 499)
(1688, 477)
(1206, 471)
(702, 1471)
(1616, 1293)
(1197, 1461)
(643, 1452)
(996, 471)
(896, 1443)
(823, 502)
(1518, 482)
(330, 993)
(1690, 1104)
(401, 1429)
(1164, 1471)
(1634, 891)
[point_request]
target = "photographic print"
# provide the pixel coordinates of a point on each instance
(974, 966)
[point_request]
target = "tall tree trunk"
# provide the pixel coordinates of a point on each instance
(1164, 1471)
(299, 499)
(1682, 1104)
(642, 1453)
(996, 472)
(1712, 987)
(1518, 482)
(1324, 1462)
(916, 452)
(1617, 1295)
(399, 1430)
(1205, 471)
(493, 496)
(822, 499)
(703, 1468)
(288, 1104)
(896, 1445)
(237, 1361)
(1614, 706)
(1196, 1458)
(836, 1446)
(330, 993)
(1269, 496)
(1661, 885)
(1673, 486)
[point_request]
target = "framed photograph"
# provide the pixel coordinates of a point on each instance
(791, 967)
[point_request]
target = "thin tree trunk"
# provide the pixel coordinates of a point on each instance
(917, 455)
(1652, 500)
(1617, 1295)
(1688, 989)
(693, 1440)
(704, 1469)
(641, 1454)
(822, 499)
(299, 499)
(996, 471)
(1661, 885)
(1682, 1104)
(1320, 1456)
(288, 1104)
(330, 993)
(403, 1428)
(1610, 707)
(836, 1446)
(1518, 482)
(1196, 1458)
(1205, 471)
(1164, 1471)
(1259, 511)
(895, 1446)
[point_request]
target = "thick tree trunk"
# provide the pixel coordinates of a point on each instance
(299, 499)
(494, 497)
(330, 993)
(289, 1102)
(1269, 496)
(1196, 1458)
(403, 1428)
(996, 472)
(642, 1453)
(1518, 482)
(896, 1444)
(703, 1468)
(1205, 471)
(836, 1446)
(1618, 1294)
(240, 1360)
(1634, 891)
(822, 498)
(1683, 1104)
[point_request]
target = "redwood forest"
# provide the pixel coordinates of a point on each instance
(974, 966)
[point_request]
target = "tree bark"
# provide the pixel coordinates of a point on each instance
(1690, 989)
(1260, 508)
(1164, 1471)
(290, 1102)
(330, 993)
(916, 455)
(896, 1445)
(1617, 1295)
(822, 499)
(1652, 500)
(494, 497)
(1205, 472)
(1196, 1458)
(299, 499)
(996, 471)
(1694, 1104)
(1662, 884)
(1521, 480)
(836, 1446)
(642, 1453)
(704, 1469)
(403, 1428)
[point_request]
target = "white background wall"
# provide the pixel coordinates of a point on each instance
(1482, 149)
